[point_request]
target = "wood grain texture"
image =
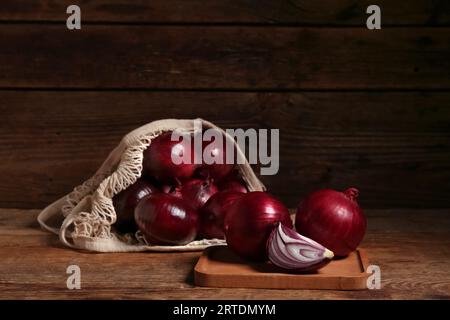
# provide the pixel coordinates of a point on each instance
(50, 56)
(395, 147)
(412, 248)
(328, 12)
(219, 267)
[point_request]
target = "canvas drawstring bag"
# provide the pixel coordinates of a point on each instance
(83, 218)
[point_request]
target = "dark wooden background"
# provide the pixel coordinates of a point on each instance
(355, 107)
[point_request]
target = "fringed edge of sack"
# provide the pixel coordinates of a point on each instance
(96, 223)
(116, 245)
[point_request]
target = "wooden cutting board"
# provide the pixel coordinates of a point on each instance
(219, 267)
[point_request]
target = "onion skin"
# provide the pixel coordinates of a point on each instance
(213, 213)
(233, 182)
(197, 192)
(233, 185)
(333, 219)
(164, 219)
(171, 190)
(158, 162)
(293, 252)
(250, 221)
(126, 201)
(216, 171)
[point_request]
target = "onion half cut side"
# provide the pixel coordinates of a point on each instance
(291, 251)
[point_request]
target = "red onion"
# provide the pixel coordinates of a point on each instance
(233, 185)
(333, 219)
(289, 250)
(158, 161)
(216, 150)
(249, 222)
(213, 213)
(172, 190)
(164, 219)
(126, 201)
(196, 192)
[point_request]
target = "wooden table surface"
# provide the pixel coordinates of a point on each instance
(412, 248)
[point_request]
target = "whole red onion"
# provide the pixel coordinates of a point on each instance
(216, 150)
(158, 161)
(126, 201)
(196, 192)
(250, 221)
(333, 219)
(213, 213)
(233, 185)
(165, 219)
(173, 190)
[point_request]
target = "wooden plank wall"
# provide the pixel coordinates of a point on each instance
(355, 107)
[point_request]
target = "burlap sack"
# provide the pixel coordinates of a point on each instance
(84, 217)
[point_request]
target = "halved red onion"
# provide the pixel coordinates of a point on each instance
(289, 250)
